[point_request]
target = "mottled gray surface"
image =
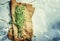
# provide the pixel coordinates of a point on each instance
(46, 19)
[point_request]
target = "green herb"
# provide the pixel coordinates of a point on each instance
(19, 18)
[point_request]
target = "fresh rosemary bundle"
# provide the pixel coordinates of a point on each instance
(19, 18)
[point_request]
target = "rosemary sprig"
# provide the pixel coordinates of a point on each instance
(19, 18)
